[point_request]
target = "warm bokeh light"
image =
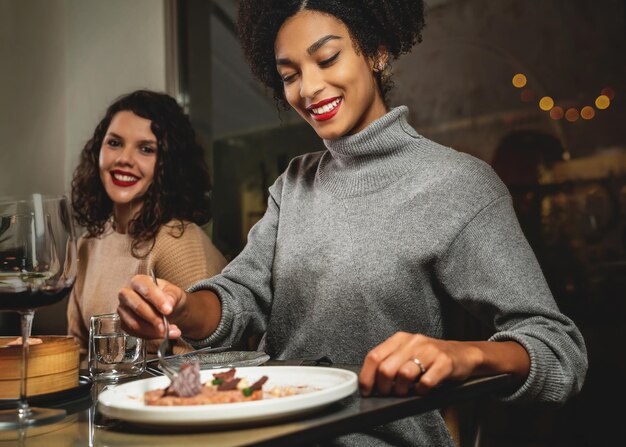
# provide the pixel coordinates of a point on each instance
(556, 113)
(587, 113)
(608, 92)
(546, 103)
(527, 95)
(571, 115)
(519, 80)
(603, 102)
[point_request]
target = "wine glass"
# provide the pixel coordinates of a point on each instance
(37, 268)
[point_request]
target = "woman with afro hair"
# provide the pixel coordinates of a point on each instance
(141, 191)
(367, 245)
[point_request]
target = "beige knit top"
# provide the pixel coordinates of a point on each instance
(105, 265)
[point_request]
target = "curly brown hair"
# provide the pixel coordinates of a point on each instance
(181, 186)
(397, 25)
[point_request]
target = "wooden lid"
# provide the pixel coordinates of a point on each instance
(57, 353)
(52, 365)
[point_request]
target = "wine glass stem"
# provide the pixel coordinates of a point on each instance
(27, 323)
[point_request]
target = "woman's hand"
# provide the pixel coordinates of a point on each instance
(406, 362)
(142, 304)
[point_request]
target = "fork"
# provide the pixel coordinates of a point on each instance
(168, 370)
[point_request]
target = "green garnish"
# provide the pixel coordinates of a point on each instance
(247, 391)
(217, 381)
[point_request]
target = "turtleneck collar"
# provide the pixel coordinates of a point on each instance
(371, 159)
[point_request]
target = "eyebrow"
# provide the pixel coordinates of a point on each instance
(113, 134)
(312, 49)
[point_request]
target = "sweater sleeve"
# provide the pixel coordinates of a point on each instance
(492, 271)
(245, 286)
(185, 259)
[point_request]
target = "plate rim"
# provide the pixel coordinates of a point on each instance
(245, 412)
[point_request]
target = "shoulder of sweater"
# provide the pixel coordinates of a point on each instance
(304, 162)
(177, 232)
(170, 241)
(299, 167)
(452, 167)
(185, 258)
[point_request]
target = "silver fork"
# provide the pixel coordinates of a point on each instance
(167, 369)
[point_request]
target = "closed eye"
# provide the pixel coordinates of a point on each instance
(330, 60)
(325, 63)
(288, 78)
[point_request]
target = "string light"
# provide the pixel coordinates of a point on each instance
(571, 115)
(547, 104)
(556, 113)
(527, 95)
(603, 102)
(587, 113)
(519, 80)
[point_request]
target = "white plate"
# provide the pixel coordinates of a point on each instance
(125, 401)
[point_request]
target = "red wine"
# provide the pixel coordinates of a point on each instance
(31, 299)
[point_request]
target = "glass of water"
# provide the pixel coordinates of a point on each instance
(113, 354)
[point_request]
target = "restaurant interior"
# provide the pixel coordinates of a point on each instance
(537, 89)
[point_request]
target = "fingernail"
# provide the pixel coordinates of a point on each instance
(161, 327)
(167, 308)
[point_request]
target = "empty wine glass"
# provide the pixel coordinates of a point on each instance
(37, 268)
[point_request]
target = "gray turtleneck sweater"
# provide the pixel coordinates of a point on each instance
(377, 234)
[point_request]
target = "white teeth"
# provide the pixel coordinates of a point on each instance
(125, 178)
(326, 108)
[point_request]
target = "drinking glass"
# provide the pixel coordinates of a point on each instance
(37, 268)
(114, 354)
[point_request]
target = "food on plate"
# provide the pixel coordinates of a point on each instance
(187, 382)
(224, 388)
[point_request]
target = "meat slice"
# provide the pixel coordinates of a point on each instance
(187, 382)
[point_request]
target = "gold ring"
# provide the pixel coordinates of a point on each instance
(418, 363)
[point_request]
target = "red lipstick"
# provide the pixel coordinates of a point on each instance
(327, 115)
(118, 182)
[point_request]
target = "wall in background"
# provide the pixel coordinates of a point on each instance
(457, 81)
(32, 91)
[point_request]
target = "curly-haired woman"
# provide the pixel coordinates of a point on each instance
(141, 191)
(367, 245)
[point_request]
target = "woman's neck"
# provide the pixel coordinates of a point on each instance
(123, 214)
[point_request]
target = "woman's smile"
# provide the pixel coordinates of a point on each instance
(326, 109)
(123, 179)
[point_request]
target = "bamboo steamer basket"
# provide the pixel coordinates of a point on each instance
(52, 366)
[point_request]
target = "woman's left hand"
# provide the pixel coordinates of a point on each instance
(406, 361)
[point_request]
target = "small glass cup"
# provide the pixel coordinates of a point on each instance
(113, 354)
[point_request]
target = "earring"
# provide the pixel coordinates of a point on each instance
(380, 66)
